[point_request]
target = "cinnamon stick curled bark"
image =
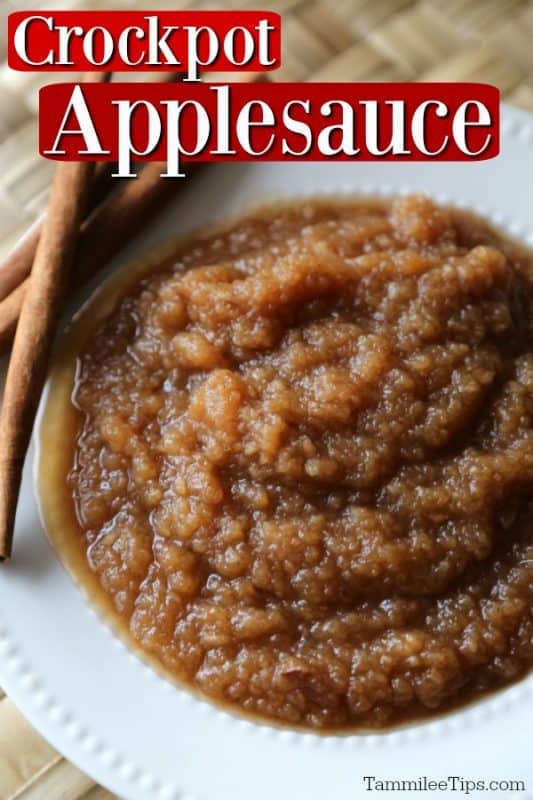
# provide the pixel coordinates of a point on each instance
(39, 308)
(41, 305)
(31, 349)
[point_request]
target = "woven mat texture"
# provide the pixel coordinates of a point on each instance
(348, 40)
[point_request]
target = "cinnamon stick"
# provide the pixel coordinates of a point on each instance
(40, 308)
(31, 349)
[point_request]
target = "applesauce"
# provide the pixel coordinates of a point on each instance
(300, 459)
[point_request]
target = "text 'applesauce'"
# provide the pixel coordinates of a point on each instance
(303, 461)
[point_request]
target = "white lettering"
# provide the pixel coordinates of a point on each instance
(124, 45)
(298, 127)
(89, 45)
(78, 106)
(461, 124)
(158, 44)
(396, 145)
(419, 126)
(193, 46)
(126, 148)
(245, 124)
(346, 128)
(19, 40)
(247, 43)
(264, 28)
(175, 147)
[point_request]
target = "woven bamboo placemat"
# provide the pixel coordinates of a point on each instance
(348, 40)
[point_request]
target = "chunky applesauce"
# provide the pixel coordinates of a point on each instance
(303, 461)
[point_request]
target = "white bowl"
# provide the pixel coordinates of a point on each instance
(145, 739)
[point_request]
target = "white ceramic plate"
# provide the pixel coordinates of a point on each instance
(145, 739)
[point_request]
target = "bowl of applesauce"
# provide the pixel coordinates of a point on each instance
(287, 458)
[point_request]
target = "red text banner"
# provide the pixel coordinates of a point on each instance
(185, 41)
(269, 121)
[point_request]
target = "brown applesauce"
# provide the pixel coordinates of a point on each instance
(303, 461)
